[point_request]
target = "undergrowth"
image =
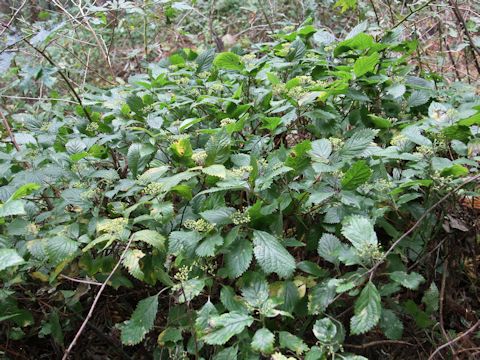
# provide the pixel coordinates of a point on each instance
(296, 201)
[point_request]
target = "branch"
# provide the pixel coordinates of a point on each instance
(414, 11)
(451, 342)
(13, 17)
(7, 127)
(417, 223)
(95, 301)
(64, 77)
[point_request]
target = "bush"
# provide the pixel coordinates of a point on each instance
(263, 195)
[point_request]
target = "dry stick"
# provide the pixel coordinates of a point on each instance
(460, 18)
(417, 223)
(414, 11)
(81, 280)
(95, 301)
(37, 99)
(9, 131)
(451, 342)
(13, 17)
(442, 301)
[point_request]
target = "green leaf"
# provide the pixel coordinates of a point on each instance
(228, 61)
(365, 64)
(239, 257)
(263, 341)
(358, 174)
(60, 248)
(230, 353)
(292, 342)
(24, 190)
(133, 158)
(133, 331)
(431, 299)
(225, 326)
(219, 216)
(418, 98)
(411, 281)
(391, 325)
(359, 230)
(150, 237)
(131, 261)
(12, 207)
(358, 142)
(456, 170)
(216, 170)
(325, 330)
(9, 257)
(320, 296)
(297, 50)
(367, 310)
(329, 248)
(205, 60)
(360, 41)
(271, 255)
(208, 246)
(346, 5)
(190, 289)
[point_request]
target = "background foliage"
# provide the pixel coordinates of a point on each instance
(239, 180)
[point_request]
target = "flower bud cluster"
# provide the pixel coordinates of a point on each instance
(226, 121)
(200, 225)
(153, 189)
(240, 217)
(199, 157)
(112, 226)
(92, 127)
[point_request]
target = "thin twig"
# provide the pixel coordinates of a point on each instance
(9, 131)
(81, 280)
(95, 301)
(417, 223)
(451, 342)
(378, 342)
(412, 12)
(13, 17)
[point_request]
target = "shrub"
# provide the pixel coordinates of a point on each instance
(263, 195)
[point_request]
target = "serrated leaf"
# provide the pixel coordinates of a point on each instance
(183, 241)
(329, 248)
(367, 310)
(410, 281)
(225, 326)
(256, 292)
(190, 289)
(9, 257)
(207, 247)
(60, 248)
(365, 64)
(204, 315)
(131, 262)
(150, 237)
(263, 341)
(320, 296)
(133, 331)
(271, 255)
(356, 175)
(239, 257)
(325, 330)
(204, 60)
(292, 342)
(216, 170)
(133, 158)
(391, 325)
(359, 230)
(358, 142)
(12, 207)
(414, 134)
(219, 216)
(297, 50)
(24, 190)
(228, 61)
(230, 353)
(418, 98)
(431, 299)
